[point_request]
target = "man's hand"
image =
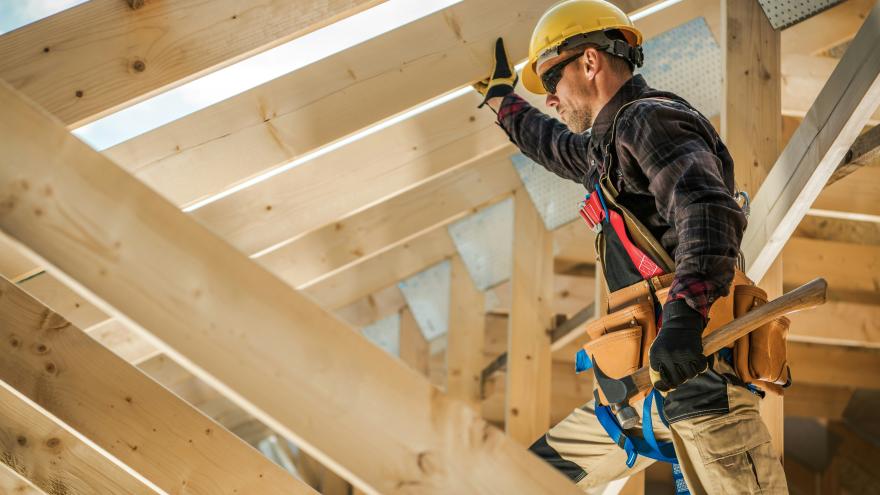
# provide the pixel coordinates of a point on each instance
(676, 355)
(503, 78)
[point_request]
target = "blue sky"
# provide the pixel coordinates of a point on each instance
(17, 13)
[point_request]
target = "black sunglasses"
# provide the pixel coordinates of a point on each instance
(550, 79)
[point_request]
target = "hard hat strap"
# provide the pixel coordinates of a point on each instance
(601, 41)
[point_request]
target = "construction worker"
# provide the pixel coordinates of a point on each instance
(658, 160)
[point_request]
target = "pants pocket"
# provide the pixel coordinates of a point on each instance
(737, 456)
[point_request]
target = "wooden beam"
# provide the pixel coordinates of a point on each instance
(374, 307)
(527, 411)
(203, 153)
(14, 265)
(57, 365)
(12, 482)
(840, 112)
(123, 341)
(464, 349)
(839, 230)
(826, 30)
(54, 294)
(100, 56)
(864, 152)
(837, 365)
(239, 327)
(52, 456)
(804, 77)
(816, 401)
(320, 253)
(853, 194)
(414, 349)
(848, 268)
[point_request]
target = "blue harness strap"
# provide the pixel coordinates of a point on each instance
(647, 446)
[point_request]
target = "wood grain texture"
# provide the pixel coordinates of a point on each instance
(116, 406)
(100, 56)
(464, 351)
(241, 329)
(527, 411)
(13, 483)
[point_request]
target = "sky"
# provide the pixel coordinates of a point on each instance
(232, 80)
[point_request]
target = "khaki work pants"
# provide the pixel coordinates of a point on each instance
(719, 454)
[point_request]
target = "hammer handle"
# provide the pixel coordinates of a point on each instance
(807, 296)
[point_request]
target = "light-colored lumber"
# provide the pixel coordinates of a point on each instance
(751, 126)
(854, 193)
(13, 483)
(240, 328)
(123, 341)
(52, 456)
(348, 241)
(464, 348)
(838, 365)
(805, 76)
(54, 294)
(379, 272)
(839, 113)
(816, 401)
(570, 294)
(839, 230)
(166, 440)
(527, 406)
(846, 267)
(13, 265)
(373, 307)
(100, 56)
(284, 119)
(414, 349)
(827, 29)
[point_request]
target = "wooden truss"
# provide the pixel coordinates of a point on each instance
(139, 249)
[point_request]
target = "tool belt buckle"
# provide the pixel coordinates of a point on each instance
(595, 226)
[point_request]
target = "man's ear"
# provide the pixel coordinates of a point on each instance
(592, 63)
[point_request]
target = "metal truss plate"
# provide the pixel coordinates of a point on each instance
(555, 198)
(385, 333)
(427, 294)
(686, 61)
(485, 243)
(786, 13)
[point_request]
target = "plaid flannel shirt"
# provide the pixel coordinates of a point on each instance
(671, 171)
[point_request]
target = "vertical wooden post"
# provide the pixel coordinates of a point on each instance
(464, 348)
(751, 124)
(527, 412)
(414, 349)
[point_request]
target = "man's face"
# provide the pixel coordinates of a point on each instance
(575, 92)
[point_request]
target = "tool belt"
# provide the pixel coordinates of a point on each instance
(620, 341)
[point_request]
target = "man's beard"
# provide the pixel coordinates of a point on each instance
(579, 120)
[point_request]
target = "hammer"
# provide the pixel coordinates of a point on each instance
(807, 296)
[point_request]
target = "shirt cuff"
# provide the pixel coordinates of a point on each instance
(511, 105)
(698, 293)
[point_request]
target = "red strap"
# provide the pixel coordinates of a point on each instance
(645, 265)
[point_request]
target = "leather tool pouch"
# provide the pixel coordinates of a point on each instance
(760, 356)
(619, 342)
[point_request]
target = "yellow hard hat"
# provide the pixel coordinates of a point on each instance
(571, 19)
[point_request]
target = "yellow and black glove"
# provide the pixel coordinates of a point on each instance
(503, 78)
(676, 355)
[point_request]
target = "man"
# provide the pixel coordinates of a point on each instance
(671, 171)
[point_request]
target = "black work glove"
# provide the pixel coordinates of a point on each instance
(502, 79)
(676, 355)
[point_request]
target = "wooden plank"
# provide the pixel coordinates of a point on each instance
(52, 456)
(837, 365)
(14, 265)
(374, 307)
(464, 351)
(854, 193)
(54, 294)
(527, 410)
(839, 230)
(840, 112)
(826, 30)
(240, 328)
(123, 341)
(100, 56)
(355, 177)
(571, 293)
(816, 401)
(319, 254)
(263, 128)
(751, 126)
(379, 272)
(57, 365)
(846, 267)
(838, 322)
(12, 482)
(804, 77)
(414, 349)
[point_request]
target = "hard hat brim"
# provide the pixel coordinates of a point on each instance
(531, 81)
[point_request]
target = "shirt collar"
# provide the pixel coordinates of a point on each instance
(630, 91)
